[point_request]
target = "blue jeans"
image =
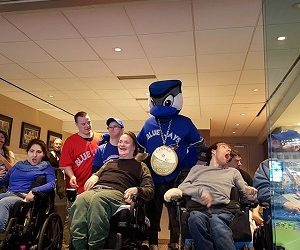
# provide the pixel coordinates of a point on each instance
(7, 201)
(211, 231)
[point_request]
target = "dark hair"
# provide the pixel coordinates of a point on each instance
(235, 153)
(208, 153)
(43, 146)
(79, 114)
(213, 146)
(135, 142)
(5, 148)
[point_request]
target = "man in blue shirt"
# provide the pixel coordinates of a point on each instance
(109, 150)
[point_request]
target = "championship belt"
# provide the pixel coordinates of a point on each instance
(164, 160)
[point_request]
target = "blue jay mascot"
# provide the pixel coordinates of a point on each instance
(170, 140)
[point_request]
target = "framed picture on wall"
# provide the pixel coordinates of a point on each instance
(28, 132)
(6, 126)
(51, 136)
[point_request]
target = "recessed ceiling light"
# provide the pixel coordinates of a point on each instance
(51, 96)
(117, 49)
(255, 90)
(233, 132)
(281, 38)
(242, 114)
(237, 124)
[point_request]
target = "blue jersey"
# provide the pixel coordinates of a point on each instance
(103, 154)
(182, 135)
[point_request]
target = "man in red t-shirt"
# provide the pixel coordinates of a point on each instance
(78, 153)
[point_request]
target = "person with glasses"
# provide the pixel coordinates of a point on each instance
(109, 150)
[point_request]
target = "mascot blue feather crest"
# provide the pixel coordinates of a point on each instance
(165, 98)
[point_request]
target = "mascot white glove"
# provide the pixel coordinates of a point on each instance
(172, 194)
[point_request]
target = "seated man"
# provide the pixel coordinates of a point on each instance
(116, 182)
(210, 187)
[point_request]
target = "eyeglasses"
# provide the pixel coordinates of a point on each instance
(113, 127)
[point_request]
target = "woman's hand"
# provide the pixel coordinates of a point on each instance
(90, 182)
(29, 196)
(129, 193)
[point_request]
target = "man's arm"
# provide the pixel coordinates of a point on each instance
(146, 188)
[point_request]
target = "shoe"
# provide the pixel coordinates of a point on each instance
(153, 247)
(173, 246)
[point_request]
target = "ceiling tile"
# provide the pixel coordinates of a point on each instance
(12, 34)
(139, 93)
(216, 100)
(219, 78)
(186, 79)
(255, 60)
(252, 76)
(24, 52)
(66, 83)
(190, 91)
(257, 43)
(249, 99)
(245, 107)
(108, 94)
(174, 65)
(247, 89)
(163, 45)
(102, 83)
(82, 94)
(129, 67)
(137, 84)
(19, 95)
(88, 68)
(234, 13)
(222, 90)
(14, 71)
(32, 84)
(43, 24)
(190, 101)
(191, 111)
(103, 21)
(220, 62)
(160, 17)
(4, 60)
(130, 45)
(216, 41)
(68, 49)
(47, 70)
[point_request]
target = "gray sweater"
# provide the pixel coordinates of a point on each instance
(216, 180)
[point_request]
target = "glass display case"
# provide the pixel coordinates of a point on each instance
(285, 188)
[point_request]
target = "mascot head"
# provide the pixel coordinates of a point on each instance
(165, 98)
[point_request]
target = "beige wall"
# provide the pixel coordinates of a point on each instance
(22, 113)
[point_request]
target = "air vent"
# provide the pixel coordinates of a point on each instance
(136, 77)
(141, 99)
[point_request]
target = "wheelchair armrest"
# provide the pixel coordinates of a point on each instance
(173, 194)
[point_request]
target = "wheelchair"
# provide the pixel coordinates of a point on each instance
(240, 224)
(33, 225)
(128, 226)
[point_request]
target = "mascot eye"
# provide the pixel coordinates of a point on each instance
(168, 101)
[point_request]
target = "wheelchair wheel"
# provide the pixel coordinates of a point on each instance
(51, 235)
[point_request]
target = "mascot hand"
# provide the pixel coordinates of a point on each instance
(173, 194)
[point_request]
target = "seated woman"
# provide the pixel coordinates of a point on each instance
(21, 177)
(116, 182)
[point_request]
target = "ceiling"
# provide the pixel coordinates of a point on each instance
(65, 55)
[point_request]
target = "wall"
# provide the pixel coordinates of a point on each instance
(22, 113)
